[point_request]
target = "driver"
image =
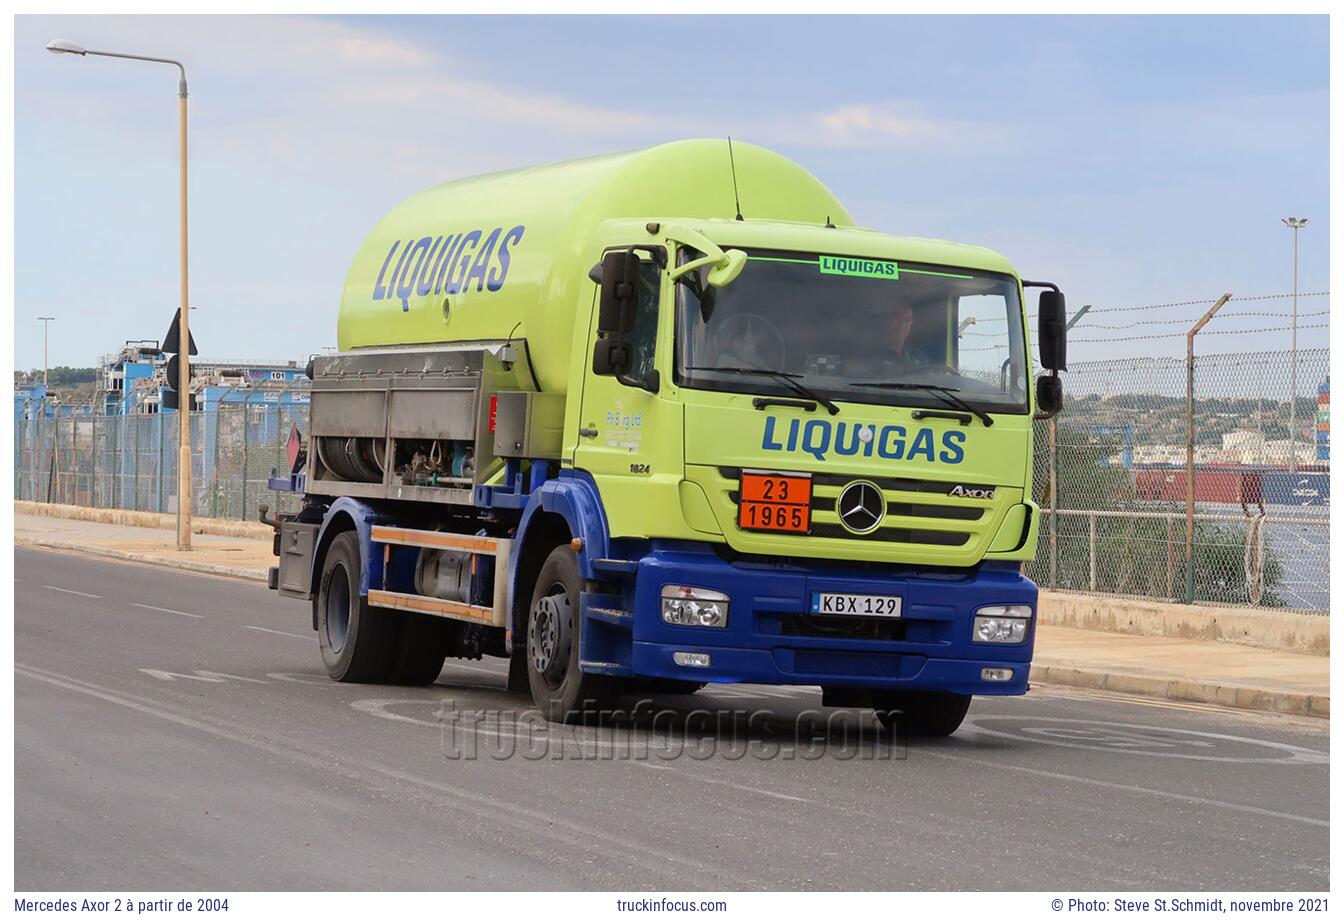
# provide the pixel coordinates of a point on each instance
(746, 346)
(895, 353)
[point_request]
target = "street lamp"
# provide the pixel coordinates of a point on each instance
(1296, 223)
(46, 324)
(62, 46)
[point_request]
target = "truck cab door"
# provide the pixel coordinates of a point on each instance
(628, 435)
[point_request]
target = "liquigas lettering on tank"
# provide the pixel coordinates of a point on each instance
(450, 263)
(821, 439)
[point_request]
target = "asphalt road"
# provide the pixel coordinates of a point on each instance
(175, 731)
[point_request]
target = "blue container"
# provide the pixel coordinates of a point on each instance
(1296, 489)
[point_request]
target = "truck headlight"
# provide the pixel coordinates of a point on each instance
(1004, 624)
(683, 606)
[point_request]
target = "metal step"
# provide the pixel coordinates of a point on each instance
(614, 617)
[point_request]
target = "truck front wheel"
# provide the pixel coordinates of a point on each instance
(560, 690)
(928, 714)
(358, 641)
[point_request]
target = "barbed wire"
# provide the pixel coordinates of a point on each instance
(1181, 303)
(1181, 335)
(1207, 300)
(1083, 323)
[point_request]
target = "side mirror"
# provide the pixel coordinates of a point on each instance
(1049, 396)
(611, 358)
(620, 275)
(726, 272)
(1052, 338)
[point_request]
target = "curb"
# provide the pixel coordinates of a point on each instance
(186, 565)
(1259, 699)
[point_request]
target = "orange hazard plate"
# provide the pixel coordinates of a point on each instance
(775, 501)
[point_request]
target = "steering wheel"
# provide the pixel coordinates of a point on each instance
(750, 340)
(938, 370)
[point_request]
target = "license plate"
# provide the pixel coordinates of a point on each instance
(775, 501)
(858, 605)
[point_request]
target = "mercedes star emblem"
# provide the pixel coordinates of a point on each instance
(861, 507)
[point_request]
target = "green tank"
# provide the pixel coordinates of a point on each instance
(507, 254)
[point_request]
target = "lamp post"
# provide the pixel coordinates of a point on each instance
(61, 46)
(46, 324)
(1296, 223)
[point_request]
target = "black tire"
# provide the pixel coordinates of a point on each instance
(560, 690)
(358, 642)
(422, 644)
(928, 714)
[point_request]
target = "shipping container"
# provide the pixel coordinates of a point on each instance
(1302, 489)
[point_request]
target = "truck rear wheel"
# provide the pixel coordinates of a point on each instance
(560, 690)
(928, 714)
(358, 642)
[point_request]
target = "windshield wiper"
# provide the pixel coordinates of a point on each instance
(947, 394)
(789, 380)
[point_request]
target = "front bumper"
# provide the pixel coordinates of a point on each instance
(770, 637)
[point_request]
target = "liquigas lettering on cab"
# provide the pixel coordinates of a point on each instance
(821, 439)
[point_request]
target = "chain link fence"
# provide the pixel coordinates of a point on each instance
(1121, 515)
(130, 461)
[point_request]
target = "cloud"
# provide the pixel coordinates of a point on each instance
(876, 125)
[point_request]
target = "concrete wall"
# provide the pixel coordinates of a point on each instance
(1307, 634)
(216, 526)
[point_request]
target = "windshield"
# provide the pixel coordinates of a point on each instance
(849, 328)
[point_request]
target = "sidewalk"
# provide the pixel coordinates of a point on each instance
(1199, 670)
(236, 557)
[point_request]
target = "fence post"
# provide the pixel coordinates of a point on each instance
(135, 452)
(35, 448)
(119, 484)
(93, 457)
(247, 400)
(1190, 446)
(1092, 552)
(1054, 509)
(69, 492)
(159, 464)
(1171, 560)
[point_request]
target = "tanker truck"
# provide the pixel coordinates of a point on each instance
(668, 418)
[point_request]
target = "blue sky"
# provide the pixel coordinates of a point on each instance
(1134, 160)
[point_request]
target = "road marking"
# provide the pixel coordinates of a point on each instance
(379, 708)
(68, 591)
(1126, 787)
(279, 633)
(210, 677)
(181, 613)
(1130, 738)
(720, 782)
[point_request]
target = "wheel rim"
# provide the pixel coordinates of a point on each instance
(547, 631)
(338, 608)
